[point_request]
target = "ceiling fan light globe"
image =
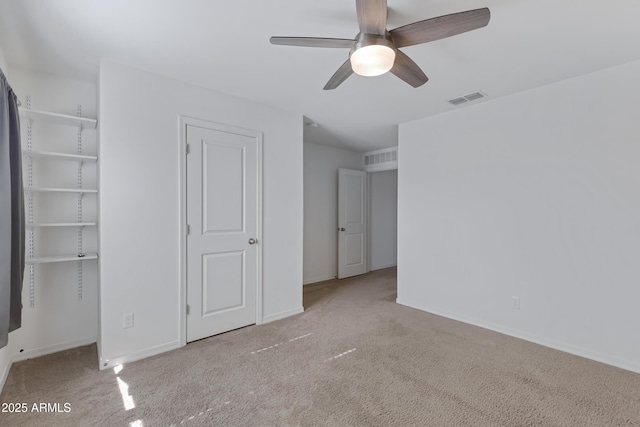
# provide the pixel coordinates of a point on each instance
(372, 60)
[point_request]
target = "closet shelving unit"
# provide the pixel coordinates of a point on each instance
(31, 191)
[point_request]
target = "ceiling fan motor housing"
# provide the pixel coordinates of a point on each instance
(363, 40)
(372, 54)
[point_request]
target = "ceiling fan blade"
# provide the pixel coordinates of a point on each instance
(312, 42)
(372, 16)
(407, 70)
(440, 27)
(340, 76)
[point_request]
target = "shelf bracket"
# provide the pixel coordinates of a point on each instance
(32, 286)
(80, 264)
(30, 209)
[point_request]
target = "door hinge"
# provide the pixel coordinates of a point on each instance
(188, 229)
(187, 148)
(187, 309)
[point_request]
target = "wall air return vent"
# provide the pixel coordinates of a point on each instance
(466, 98)
(380, 160)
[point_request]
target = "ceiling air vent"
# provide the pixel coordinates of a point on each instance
(473, 96)
(381, 160)
(466, 98)
(457, 101)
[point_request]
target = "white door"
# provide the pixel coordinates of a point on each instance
(352, 223)
(222, 218)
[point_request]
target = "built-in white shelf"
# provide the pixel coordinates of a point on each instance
(38, 160)
(60, 156)
(60, 190)
(61, 258)
(61, 224)
(60, 119)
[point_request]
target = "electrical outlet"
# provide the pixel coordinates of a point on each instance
(515, 302)
(127, 321)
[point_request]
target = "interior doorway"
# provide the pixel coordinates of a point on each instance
(321, 222)
(383, 219)
(367, 221)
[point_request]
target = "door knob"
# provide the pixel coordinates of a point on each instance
(252, 241)
(342, 229)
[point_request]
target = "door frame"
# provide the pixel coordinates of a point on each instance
(185, 121)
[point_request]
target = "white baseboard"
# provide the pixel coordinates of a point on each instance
(282, 315)
(628, 365)
(138, 355)
(49, 349)
(382, 267)
(319, 279)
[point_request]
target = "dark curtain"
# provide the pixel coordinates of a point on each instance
(11, 213)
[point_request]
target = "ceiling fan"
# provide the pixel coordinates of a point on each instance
(375, 51)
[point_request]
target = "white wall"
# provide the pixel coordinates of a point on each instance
(321, 164)
(140, 206)
(384, 218)
(533, 195)
(3, 63)
(5, 353)
(58, 320)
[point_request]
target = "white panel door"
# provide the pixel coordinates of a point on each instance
(352, 223)
(222, 217)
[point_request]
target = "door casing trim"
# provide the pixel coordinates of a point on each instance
(185, 121)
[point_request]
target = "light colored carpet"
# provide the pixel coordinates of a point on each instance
(353, 358)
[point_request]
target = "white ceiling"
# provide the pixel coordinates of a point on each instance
(224, 45)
